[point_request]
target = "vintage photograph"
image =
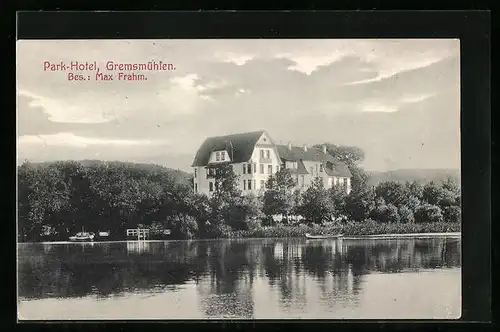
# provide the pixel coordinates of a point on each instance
(238, 179)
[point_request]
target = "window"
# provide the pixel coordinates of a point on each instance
(217, 156)
(261, 168)
(244, 169)
(249, 169)
(196, 187)
(209, 172)
(268, 154)
(262, 183)
(302, 180)
(262, 154)
(249, 184)
(254, 184)
(277, 168)
(223, 155)
(195, 172)
(321, 168)
(270, 169)
(255, 168)
(211, 186)
(244, 184)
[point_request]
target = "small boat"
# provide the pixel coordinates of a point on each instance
(309, 236)
(82, 237)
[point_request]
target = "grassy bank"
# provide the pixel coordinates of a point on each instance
(349, 229)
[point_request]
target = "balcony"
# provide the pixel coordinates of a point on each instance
(265, 160)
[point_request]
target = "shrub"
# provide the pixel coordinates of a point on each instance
(182, 226)
(428, 213)
(452, 214)
(268, 221)
(413, 203)
(218, 230)
(386, 214)
(406, 215)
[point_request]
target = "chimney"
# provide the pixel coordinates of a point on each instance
(290, 146)
(305, 148)
(324, 148)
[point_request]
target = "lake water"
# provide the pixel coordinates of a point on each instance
(241, 279)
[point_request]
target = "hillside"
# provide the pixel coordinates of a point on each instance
(179, 175)
(420, 175)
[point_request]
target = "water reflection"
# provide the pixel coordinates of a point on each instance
(231, 278)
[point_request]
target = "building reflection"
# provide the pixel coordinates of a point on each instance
(138, 247)
(232, 278)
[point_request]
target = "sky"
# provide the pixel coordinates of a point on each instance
(398, 100)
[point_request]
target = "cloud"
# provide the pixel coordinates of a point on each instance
(67, 110)
(70, 139)
(386, 96)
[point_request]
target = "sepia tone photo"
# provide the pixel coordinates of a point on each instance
(238, 179)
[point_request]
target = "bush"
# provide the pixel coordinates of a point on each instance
(268, 221)
(367, 227)
(386, 214)
(428, 213)
(218, 230)
(182, 226)
(406, 215)
(452, 214)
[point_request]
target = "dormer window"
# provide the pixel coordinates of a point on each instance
(223, 155)
(217, 156)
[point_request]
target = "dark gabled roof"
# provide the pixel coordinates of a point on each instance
(314, 154)
(340, 169)
(242, 147)
(301, 168)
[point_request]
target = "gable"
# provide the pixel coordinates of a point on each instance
(314, 154)
(238, 146)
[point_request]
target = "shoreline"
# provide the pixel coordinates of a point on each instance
(350, 237)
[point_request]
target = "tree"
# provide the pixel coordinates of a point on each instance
(351, 155)
(414, 189)
(446, 194)
(432, 193)
(452, 214)
(316, 206)
(359, 203)
(278, 198)
(406, 215)
(245, 213)
(385, 213)
(392, 192)
(182, 226)
(337, 196)
(226, 183)
(359, 178)
(413, 203)
(428, 213)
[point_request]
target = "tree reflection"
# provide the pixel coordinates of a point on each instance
(225, 271)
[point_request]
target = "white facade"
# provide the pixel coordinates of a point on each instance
(264, 161)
